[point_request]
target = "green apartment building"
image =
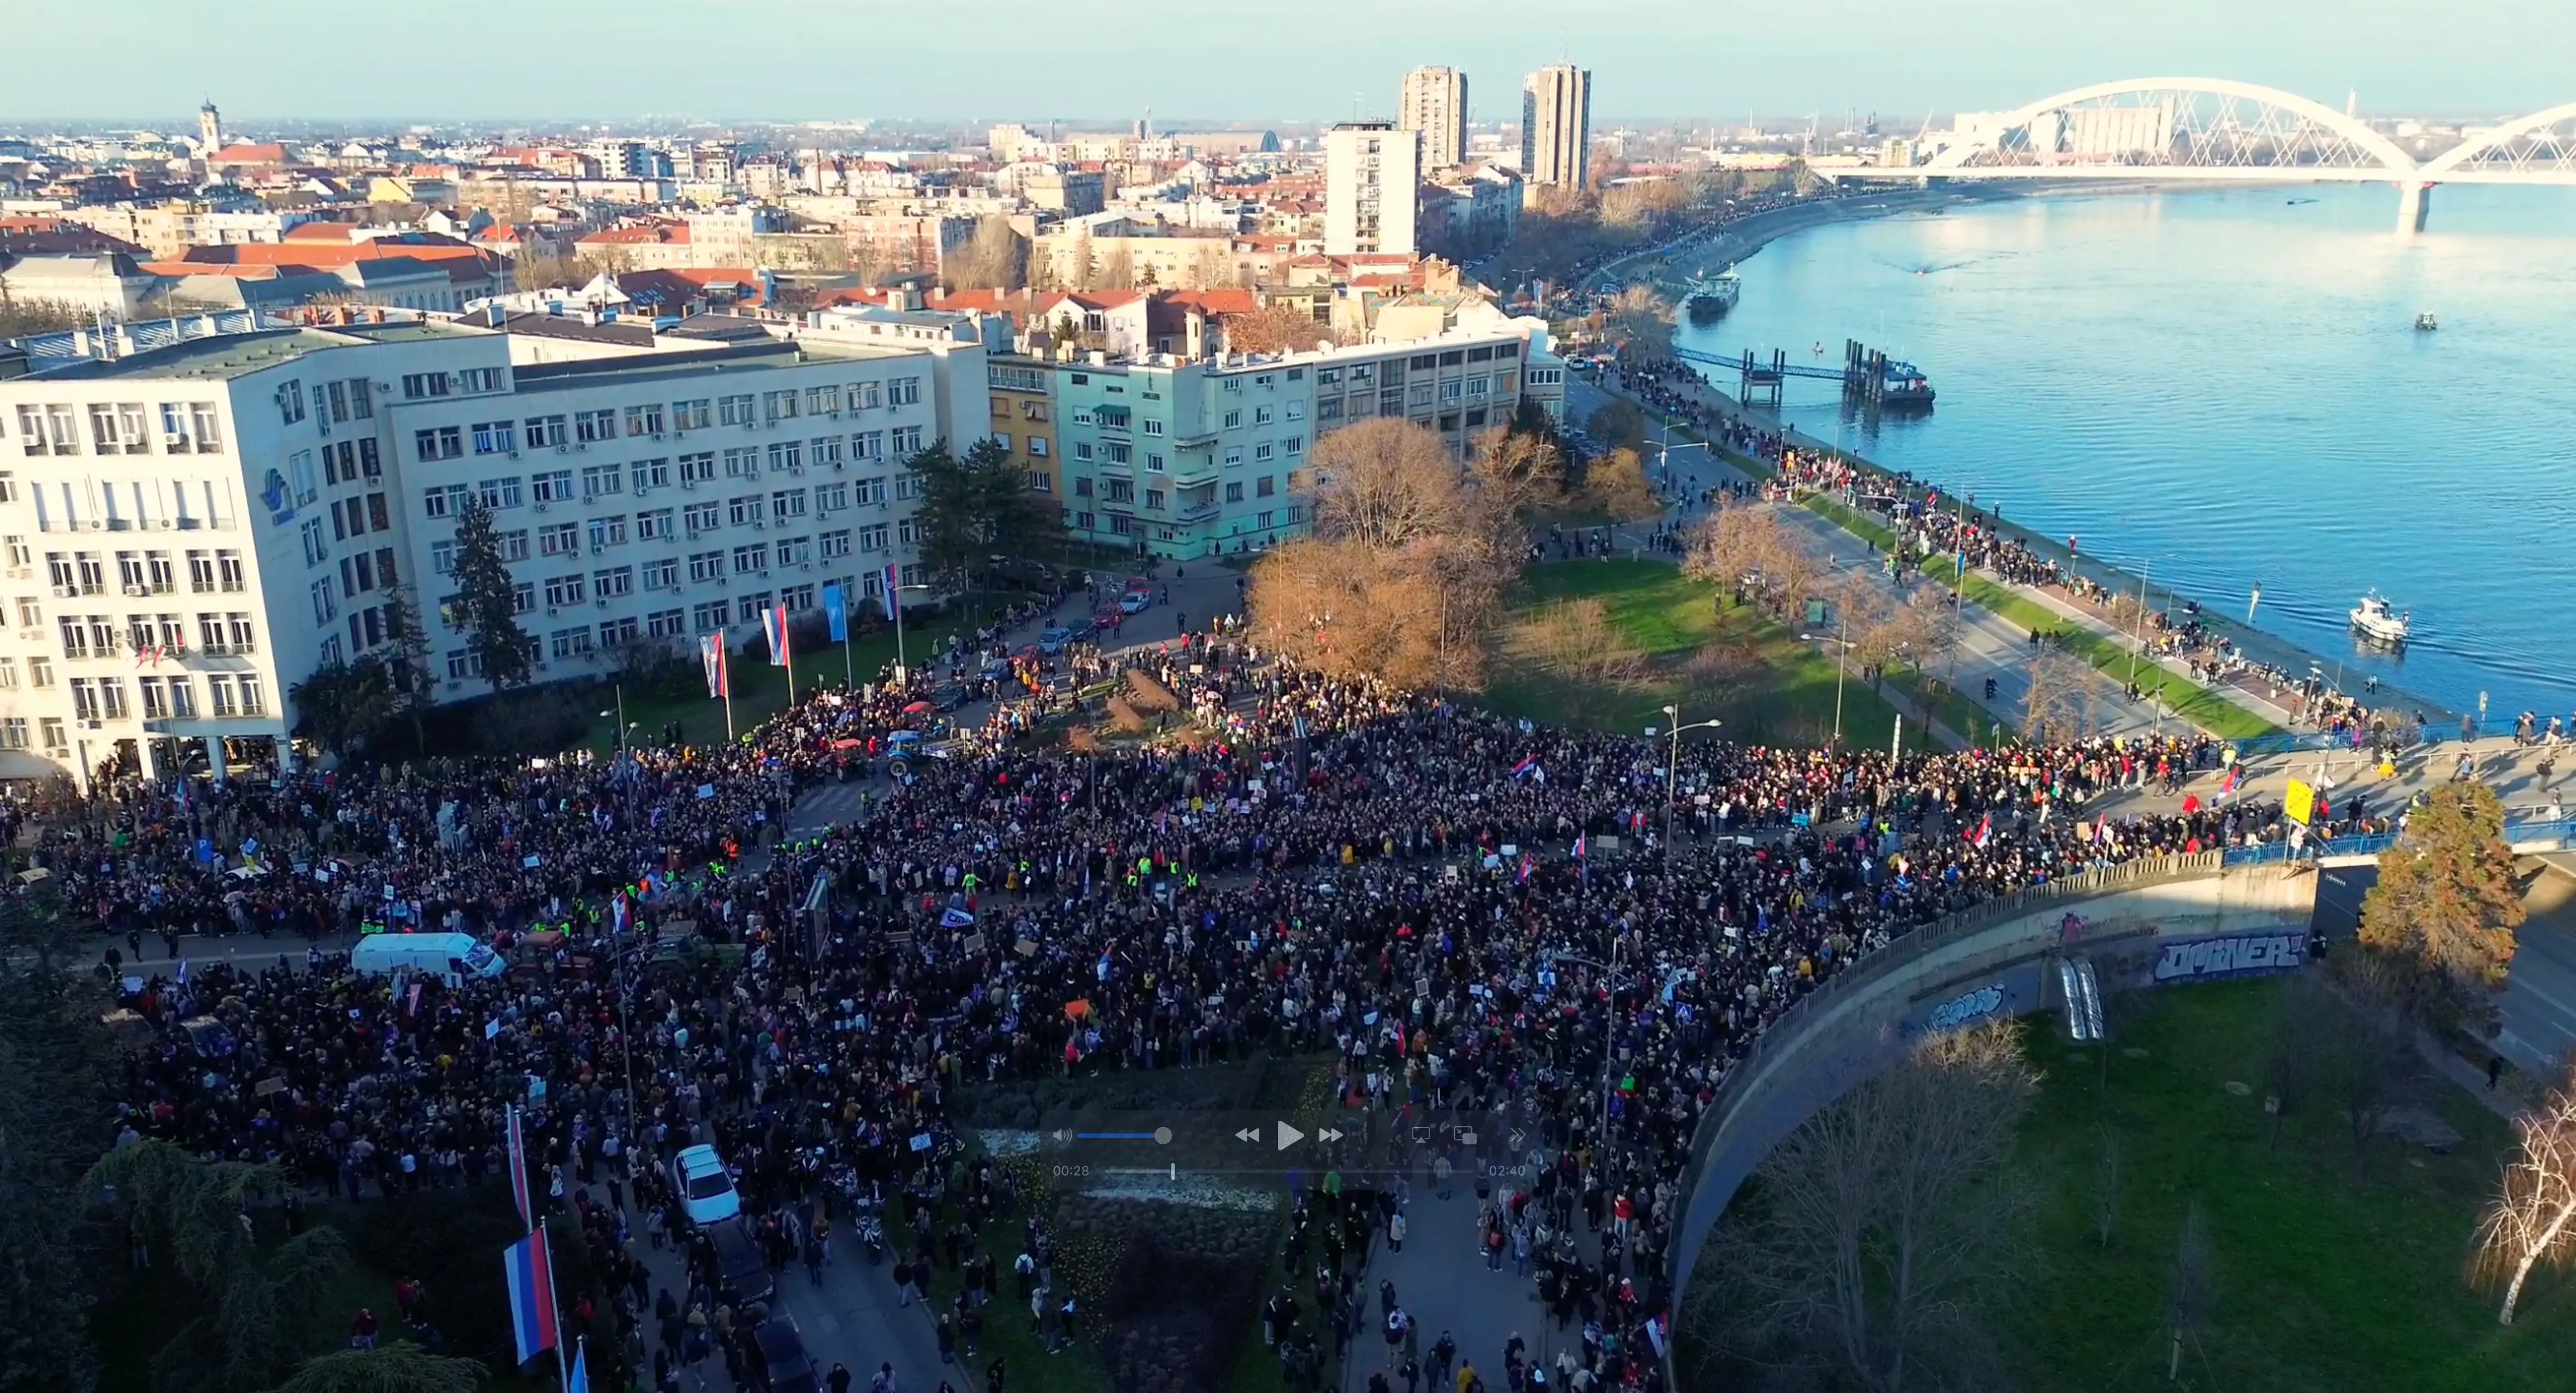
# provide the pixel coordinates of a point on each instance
(1182, 459)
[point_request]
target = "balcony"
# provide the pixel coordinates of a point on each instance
(1191, 513)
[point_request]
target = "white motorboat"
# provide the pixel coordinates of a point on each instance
(2374, 620)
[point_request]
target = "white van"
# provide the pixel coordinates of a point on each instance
(449, 957)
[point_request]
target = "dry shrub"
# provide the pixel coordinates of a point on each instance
(1145, 692)
(1124, 718)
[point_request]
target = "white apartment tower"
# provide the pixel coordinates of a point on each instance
(1372, 184)
(194, 526)
(1556, 127)
(1435, 107)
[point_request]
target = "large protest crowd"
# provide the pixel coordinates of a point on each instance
(1402, 883)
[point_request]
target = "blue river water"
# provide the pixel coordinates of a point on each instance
(2227, 388)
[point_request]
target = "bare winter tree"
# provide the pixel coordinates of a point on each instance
(1277, 327)
(1574, 642)
(2192, 1290)
(1884, 1229)
(2532, 1219)
(2058, 706)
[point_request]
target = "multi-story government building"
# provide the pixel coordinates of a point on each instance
(198, 514)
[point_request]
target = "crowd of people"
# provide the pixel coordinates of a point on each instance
(1423, 891)
(1937, 523)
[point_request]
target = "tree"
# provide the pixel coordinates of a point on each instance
(398, 1367)
(1615, 485)
(1280, 326)
(253, 1303)
(1618, 425)
(2189, 1293)
(407, 669)
(55, 1064)
(1882, 1231)
(976, 507)
(1517, 471)
(1084, 273)
(2058, 705)
(487, 600)
(22, 317)
(1119, 271)
(343, 703)
(2445, 908)
(1640, 323)
(995, 257)
(2532, 1219)
(1574, 642)
(1404, 568)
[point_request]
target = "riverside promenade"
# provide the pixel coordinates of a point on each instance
(2266, 689)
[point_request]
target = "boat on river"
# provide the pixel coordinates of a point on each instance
(2374, 620)
(2425, 323)
(1708, 298)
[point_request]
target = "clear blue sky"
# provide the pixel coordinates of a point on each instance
(568, 60)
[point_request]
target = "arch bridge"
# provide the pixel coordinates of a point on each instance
(2186, 129)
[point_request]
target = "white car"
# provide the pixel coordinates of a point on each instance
(705, 1188)
(1134, 602)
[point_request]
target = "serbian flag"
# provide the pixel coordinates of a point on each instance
(890, 582)
(711, 656)
(519, 1167)
(1985, 831)
(1526, 764)
(620, 913)
(532, 1295)
(2233, 775)
(773, 626)
(1579, 845)
(1529, 866)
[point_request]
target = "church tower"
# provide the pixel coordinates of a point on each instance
(210, 128)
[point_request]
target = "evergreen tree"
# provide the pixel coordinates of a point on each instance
(977, 507)
(2446, 907)
(487, 605)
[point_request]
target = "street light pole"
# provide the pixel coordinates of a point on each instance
(1672, 772)
(1842, 646)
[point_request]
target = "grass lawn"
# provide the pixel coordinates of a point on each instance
(2204, 707)
(2328, 1274)
(1789, 699)
(760, 690)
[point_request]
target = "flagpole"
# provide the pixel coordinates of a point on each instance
(724, 679)
(563, 1366)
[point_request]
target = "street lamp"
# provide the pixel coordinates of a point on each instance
(901, 670)
(1672, 772)
(620, 715)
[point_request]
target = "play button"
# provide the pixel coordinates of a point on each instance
(1289, 1136)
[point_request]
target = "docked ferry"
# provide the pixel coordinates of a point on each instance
(1710, 297)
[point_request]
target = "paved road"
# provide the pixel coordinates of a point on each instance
(851, 1318)
(1989, 647)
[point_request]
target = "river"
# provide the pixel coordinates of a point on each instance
(2227, 387)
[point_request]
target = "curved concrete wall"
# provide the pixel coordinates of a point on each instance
(1982, 962)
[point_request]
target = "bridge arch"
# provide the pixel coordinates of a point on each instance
(2458, 156)
(2395, 161)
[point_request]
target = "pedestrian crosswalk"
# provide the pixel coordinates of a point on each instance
(826, 804)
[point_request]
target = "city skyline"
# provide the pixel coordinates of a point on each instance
(301, 60)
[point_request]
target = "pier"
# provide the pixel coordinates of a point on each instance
(1867, 375)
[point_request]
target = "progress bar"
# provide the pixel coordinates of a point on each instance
(1160, 1135)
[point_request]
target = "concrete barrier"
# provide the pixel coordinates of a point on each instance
(2142, 923)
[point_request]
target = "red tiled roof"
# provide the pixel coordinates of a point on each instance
(664, 234)
(249, 154)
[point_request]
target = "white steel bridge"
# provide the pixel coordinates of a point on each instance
(2185, 129)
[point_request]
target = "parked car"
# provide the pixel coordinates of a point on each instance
(1139, 585)
(1105, 619)
(948, 697)
(706, 1190)
(1135, 602)
(1054, 639)
(741, 1268)
(782, 1350)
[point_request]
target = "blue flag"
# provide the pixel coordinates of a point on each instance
(836, 609)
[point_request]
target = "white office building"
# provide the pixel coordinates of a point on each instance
(1372, 187)
(191, 529)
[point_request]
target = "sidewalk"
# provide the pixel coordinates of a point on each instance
(1991, 646)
